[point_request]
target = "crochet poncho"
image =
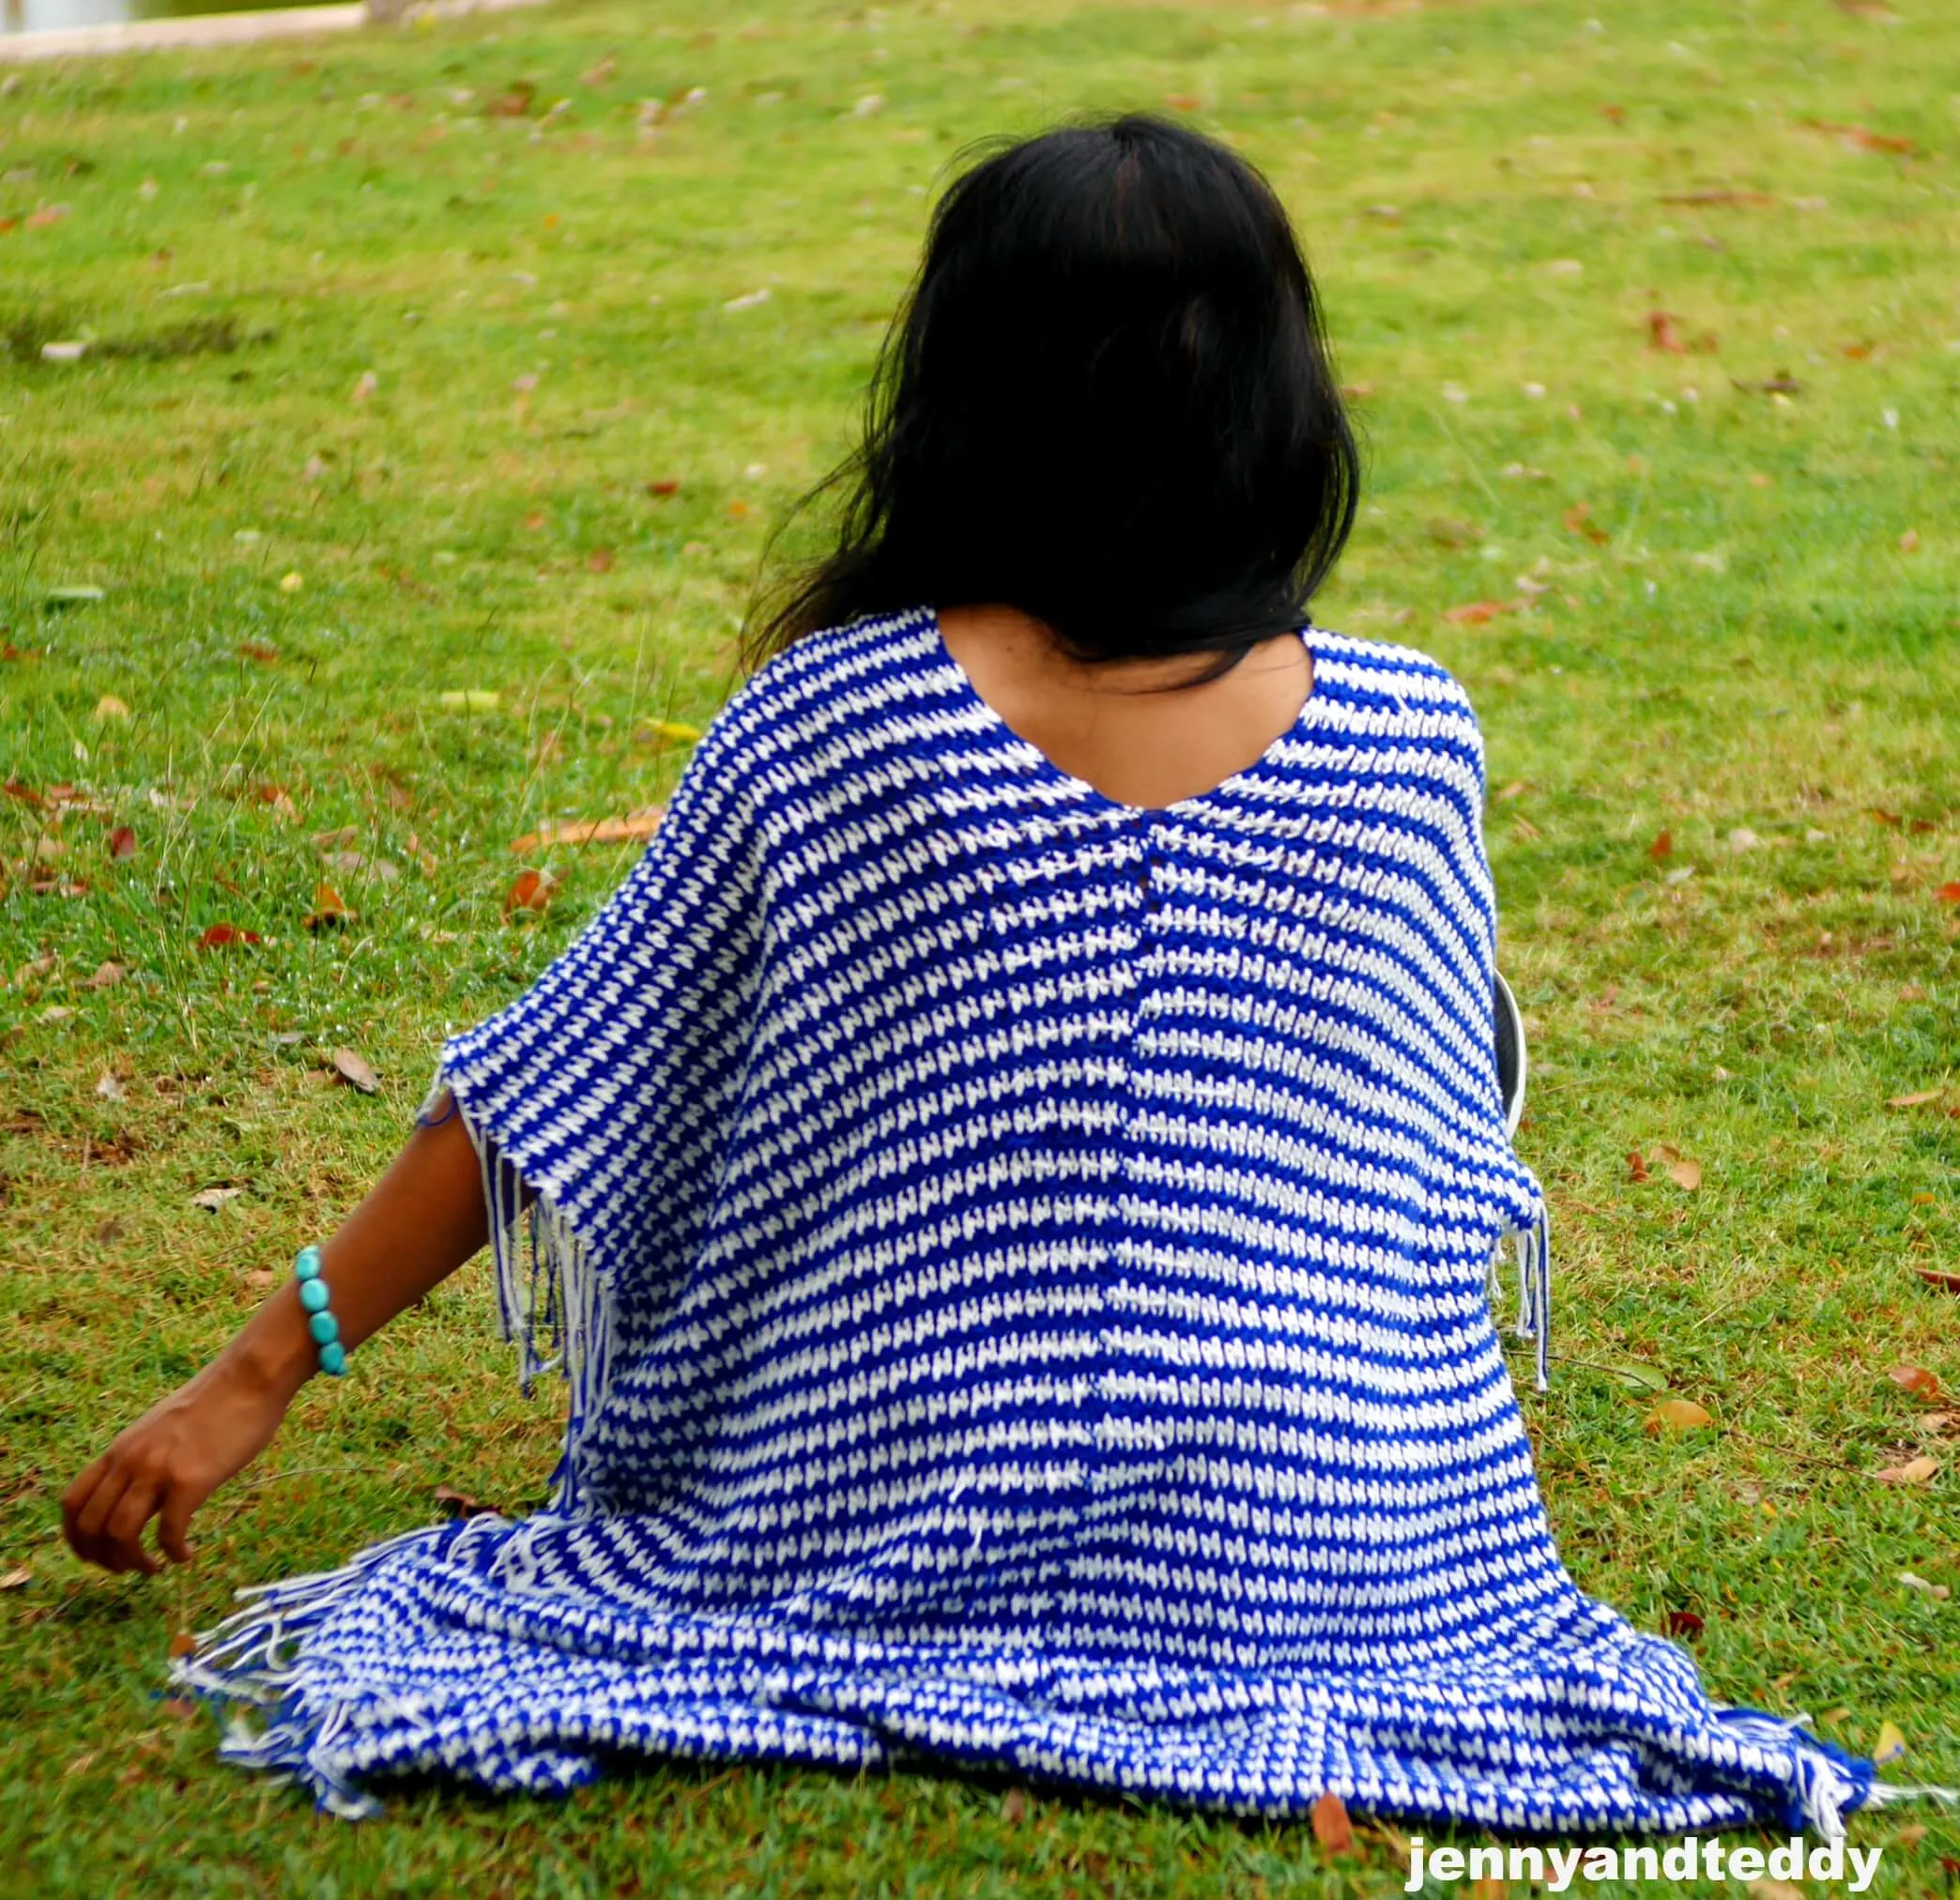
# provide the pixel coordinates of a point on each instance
(1022, 1267)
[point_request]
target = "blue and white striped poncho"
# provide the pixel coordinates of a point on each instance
(1021, 1262)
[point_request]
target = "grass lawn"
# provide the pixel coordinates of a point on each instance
(398, 345)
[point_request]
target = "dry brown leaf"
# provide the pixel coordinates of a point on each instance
(354, 1070)
(183, 1644)
(1914, 1471)
(106, 977)
(1935, 1277)
(1636, 1167)
(16, 1579)
(1331, 1827)
(328, 911)
(1859, 138)
(459, 1503)
(1014, 1807)
(212, 1199)
(222, 935)
(1918, 1381)
(533, 891)
(1918, 1099)
(635, 827)
(1662, 335)
(1662, 846)
(1578, 520)
(1891, 1744)
(1677, 1414)
(1474, 613)
(1949, 893)
(122, 842)
(1687, 1175)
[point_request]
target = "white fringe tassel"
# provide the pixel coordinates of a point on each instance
(1533, 1247)
(547, 1294)
(1824, 1787)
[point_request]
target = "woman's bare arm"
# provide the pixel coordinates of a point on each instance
(421, 1221)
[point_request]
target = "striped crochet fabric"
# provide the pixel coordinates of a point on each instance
(1023, 1266)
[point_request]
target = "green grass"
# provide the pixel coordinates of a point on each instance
(1494, 195)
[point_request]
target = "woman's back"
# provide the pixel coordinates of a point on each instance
(1136, 732)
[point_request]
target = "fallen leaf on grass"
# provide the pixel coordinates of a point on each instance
(221, 935)
(600, 561)
(262, 651)
(354, 1070)
(1890, 1744)
(212, 1199)
(122, 842)
(531, 891)
(1638, 1378)
(1662, 335)
(183, 1644)
(109, 1088)
(1687, 1175)
(1662, 846)
(1638, 1167)
(514, 101)
(1938, 1593)
(1859, 138)
(1918, 1099)
(1331, 1827)
(459, 1503)
(1683, 1623)
(263, 1277)
(1718, 195)
(106, 977)
(110, 707)
(328, 911)
(366, 387)
(1677, 1414)
(1949, 893)
(17, 1578)
(1474, 613)
(633, 827)
(1918, 1381)
(1914, 1471)
(1578, 520)
(181, 1706)
(1526, 829)
(1014, 1807)
(1946, 1283)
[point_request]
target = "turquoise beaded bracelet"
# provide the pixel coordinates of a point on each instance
(324, 1328)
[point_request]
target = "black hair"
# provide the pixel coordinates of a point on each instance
(1106, 401)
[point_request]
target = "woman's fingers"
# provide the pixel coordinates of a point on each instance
(93, 1517)
(176, 1520)
(75, 1499)
(123, 1533)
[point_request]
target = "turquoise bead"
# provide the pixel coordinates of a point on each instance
(324, 1328)
(333, 1358)
(308, 1265)
(314, 1295)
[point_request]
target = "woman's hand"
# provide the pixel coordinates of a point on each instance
(421, 1221)
(166, 1465)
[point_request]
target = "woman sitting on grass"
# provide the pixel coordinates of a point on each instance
(1013, 1173)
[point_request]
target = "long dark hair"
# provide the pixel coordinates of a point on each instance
(1106, 400)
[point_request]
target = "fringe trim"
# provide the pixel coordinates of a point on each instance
(252, 1658)
(550, 1299)
(1829, 1784)
(1531, 1244)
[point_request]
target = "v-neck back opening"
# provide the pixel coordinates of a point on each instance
(989, 714)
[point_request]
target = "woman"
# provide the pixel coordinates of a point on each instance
(1013, 1171)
